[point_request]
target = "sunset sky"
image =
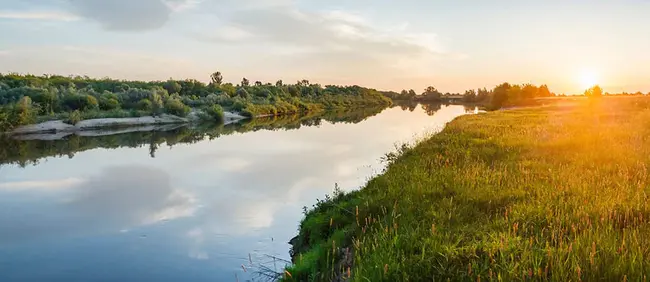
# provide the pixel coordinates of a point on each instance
(384, 44)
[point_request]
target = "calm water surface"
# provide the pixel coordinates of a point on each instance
(134, 208)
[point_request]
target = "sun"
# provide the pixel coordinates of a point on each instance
(588, 78)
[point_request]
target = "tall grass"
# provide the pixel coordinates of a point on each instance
(555, 193)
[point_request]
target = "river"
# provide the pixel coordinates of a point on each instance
(189, 204)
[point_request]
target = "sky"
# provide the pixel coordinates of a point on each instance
(383, 44)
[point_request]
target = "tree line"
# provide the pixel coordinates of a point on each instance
(26, 99)
(502, 95)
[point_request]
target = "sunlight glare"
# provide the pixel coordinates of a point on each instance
(588, 78)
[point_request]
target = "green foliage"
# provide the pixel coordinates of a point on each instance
(172, 87)
(176, 107)
(58, 96)
(214, 113)
(242, 93)
(81, 102)
(144, 105)
(216, 78)
(74, 118)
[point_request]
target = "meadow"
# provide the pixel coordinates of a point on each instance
(557, 192)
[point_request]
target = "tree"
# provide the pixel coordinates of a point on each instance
(595, 91)
(217, 78)
(245, 82)
(499, 95)
(24, 111)
(431, 94)
(412, 94)
(404, 94)
(258, 83)
(278, 83)
(172, 87)
(469, 96)
(176, 107)
(241, 92)
(543, 91)
(529, 91)
(156, 103)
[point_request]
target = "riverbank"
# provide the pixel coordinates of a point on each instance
(147, 123)
(548, 193)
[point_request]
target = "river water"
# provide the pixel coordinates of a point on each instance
(189, 204)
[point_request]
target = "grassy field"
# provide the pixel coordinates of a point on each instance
(553, 193)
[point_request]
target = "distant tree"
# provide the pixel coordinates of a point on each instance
(245, 82)
(412, 94)
(229, 89)
(431, 94)
(294, 91)
(216, 78)
(258, 83)
(543, 91)
(241, 92)
(24, 111)
(595, 91)
(278, 83)
(529, 91)
(469, 96)
(144, 105)
(404, 94)
(157, 105)
(176, 107)
(172, 87)
(500, 95)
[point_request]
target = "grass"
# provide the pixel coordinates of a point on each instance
(552, 193)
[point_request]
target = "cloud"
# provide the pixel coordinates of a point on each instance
(38, 15)
(127, 14)
(119, 199)
(321, 42)
(181, 5)
(40, 186)
(132, 196)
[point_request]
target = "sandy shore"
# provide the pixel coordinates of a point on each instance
(58, 127)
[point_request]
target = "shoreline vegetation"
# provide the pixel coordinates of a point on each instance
(30, 99)
(557, 192)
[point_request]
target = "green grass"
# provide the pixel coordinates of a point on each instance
(553, 193)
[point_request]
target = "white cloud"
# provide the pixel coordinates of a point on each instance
(323, 41)
(38, 15)
(41, 186)
(181, 5)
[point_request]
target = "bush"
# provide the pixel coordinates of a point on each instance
(74, 118)
(108, 104)
(176, 107)
(214, 113)
(145, 105)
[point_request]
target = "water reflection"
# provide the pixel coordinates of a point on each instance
(29, 149)
(211, 197)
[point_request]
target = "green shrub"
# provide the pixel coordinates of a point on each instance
(145, 105)
(74, 118)
(108, 104)
(176, 107)
(215, 113)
